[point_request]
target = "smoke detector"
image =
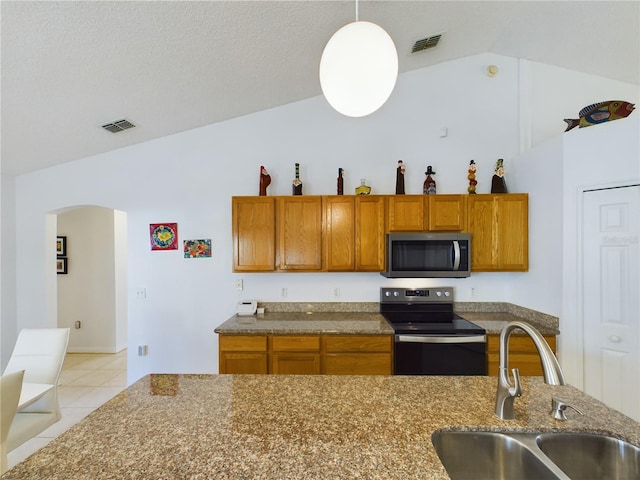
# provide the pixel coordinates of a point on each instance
(426, 43)
(118, 126)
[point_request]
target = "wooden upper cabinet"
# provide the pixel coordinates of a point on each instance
(499, 228)
(370, 233)
(299, 224)
(447, 212)
(339, 235)
(253, 228)
(513, 232)
(407, 213)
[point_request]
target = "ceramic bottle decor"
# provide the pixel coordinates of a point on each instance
(297, 183)
(363, 189)
(429, 186)
(471, 175)
(340, 182)
(265, 180)
(498, 184)
(400, 178)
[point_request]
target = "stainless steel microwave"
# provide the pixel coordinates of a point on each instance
(428, 255)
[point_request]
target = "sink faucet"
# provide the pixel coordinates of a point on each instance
(506, 391)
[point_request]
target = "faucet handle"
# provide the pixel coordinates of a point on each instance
(516, 390)
(559, 407)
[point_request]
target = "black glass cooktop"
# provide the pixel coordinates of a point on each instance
(432, 323)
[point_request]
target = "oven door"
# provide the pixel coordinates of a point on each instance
(440, 355)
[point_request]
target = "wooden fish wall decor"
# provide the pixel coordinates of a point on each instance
(600, 113)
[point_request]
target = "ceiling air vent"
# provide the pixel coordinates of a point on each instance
(118, 126)
(426, 43)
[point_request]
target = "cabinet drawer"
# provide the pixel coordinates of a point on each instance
(295, 343)
(243, 343)
(358, 364)
(519, 343)
(352, 343)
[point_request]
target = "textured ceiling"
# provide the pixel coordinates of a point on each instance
(70, 67)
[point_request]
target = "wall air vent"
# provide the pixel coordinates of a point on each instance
(118, 126)
(426, 43)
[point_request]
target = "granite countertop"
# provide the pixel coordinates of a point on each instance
(314, 322)
(301, 323)
(303, 427)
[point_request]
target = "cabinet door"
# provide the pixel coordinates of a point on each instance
(358, 364)
(513, 232)
(522, 354)
(295, 363)
(253, 230)
(406, 213)
(447, 212)
(243, 362)
(370, 233)
(481, 219)
(340, 234)
(299, 221)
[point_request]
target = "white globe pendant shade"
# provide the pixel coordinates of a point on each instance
(358, 69)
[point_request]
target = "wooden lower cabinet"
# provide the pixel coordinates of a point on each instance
(243, 354)
(307, 354)
(523, 354)
(358, 355)
(294, 354)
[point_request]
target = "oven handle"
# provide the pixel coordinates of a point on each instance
(456, 255)
(439, 339)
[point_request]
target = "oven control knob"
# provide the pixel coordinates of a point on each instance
(396, 294)
(446, 294)
(438, 293)
(387, 294)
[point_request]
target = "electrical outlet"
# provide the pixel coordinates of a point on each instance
(283, 292)
(141, 293)
(239, 284)
(336, 292)
(473, 292)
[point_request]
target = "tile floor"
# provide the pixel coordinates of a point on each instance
(87, 381)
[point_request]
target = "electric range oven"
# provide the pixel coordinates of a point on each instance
(430, 339)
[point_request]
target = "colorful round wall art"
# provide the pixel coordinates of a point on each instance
(164, 236)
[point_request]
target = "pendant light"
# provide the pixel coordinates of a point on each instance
(358, 68)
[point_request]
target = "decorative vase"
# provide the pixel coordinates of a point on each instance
(265, 180)
(363, 189)
(498, 184)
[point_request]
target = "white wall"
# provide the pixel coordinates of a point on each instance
(189, 178)
(87, 293)
(8, 313)
(595, 157)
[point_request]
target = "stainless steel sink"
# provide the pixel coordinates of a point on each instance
(491, 456)
(588, 456)
(523, 456)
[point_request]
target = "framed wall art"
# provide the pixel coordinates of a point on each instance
(197, 248)
(61, 246)
(61, 265)
(163, 236)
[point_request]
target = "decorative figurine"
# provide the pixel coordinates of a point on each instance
(297, 183)
(400, 178)
(429, 186)
(472, 177)
(600, 113)
(265, 181)
(498, 184)
(363, 189)
(340, 182)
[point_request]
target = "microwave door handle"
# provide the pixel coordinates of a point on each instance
(456, 255)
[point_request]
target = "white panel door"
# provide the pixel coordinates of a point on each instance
(611, 304)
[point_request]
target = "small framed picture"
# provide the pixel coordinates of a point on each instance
(61, 266)
(61, 246)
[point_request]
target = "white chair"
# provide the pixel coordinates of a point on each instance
(40, 352)
(10, 388)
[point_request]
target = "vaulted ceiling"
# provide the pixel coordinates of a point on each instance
(70, 67)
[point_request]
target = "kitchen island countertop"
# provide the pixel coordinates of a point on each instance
(303, 427)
